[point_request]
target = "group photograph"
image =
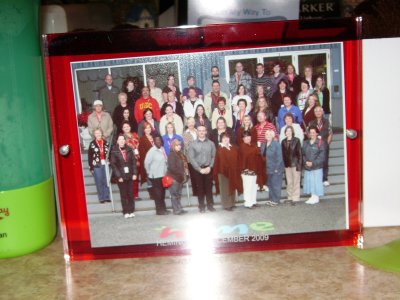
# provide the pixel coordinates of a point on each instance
(228, 146)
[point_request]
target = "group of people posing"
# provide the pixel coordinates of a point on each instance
(244, 136)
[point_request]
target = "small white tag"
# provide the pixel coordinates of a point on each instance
(126, 169)
(103, 162)
(259, 144)
(136, 151)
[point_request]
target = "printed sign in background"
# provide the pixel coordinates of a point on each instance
(212, 12)
(320, 9)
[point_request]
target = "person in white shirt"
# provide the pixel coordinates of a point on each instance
(155, 164)
(191, 103)
(298, 132)
(221, 111)
(171, 117)
(241, 93)
(305, 91)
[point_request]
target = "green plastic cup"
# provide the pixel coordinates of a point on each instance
(27, 204)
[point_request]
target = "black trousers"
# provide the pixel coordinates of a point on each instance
(204, 189)
(126, 192)
(158, 193)
(326, 165)
(192, 173)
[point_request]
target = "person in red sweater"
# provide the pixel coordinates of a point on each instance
(146, 101)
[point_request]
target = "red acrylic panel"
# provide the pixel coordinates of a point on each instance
(63, 51)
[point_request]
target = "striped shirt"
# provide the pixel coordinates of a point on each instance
(266, 82)
(261, 131)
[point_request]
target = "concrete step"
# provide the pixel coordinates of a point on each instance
(337, 187)
(91, 189)
(336, 152)
(331, 192)
(338, 137)
(335, 159)
(106, 209)
(337, 143)
(142, 193)
(335, 147)
(89, 181)
(336, 170)
(334, 178)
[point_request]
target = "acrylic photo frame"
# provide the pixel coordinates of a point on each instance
(74, 59)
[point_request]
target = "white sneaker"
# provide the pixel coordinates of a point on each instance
(271, 203)
(266, 188)
(126, 216)
(326, 183)
(132, 215)
(313, 200)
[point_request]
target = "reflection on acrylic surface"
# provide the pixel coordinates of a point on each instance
(266, 92)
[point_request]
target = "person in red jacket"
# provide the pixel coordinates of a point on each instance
(146, 101)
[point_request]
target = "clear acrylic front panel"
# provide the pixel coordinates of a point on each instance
(99, 230)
